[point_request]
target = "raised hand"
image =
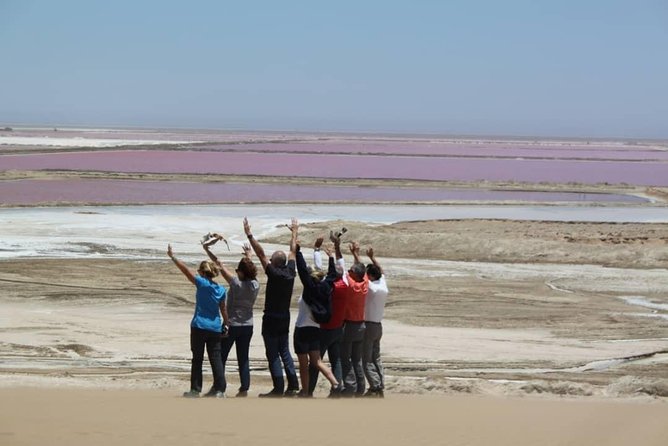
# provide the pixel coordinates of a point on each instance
(294, 225)
(248, 251)
(369, 253)
(247, 228)
(170, 254)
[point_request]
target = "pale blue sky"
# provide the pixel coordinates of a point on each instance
(511, 67)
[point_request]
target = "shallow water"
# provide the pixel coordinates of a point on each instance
(31, 192)
(646, 173)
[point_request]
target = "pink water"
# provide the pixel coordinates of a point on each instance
(30, 192)
(650, 173)
(464, 149)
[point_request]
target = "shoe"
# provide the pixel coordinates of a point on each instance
(213, 393)
(335, 392)
(272, 394)
(291, 393)
(191, 394)
(374, 393)
(304, 394)
(241, 394)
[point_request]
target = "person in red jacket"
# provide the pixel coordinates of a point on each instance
(331, 333)
(353, 331)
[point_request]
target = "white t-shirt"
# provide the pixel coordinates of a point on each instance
(375, 300)
(305, 317)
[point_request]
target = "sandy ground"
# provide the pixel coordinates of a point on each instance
(84, 417)
(529, 319)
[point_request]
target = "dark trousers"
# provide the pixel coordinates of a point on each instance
(277, 351)
(211, 340)
(351, 357)
(330, 342)
(241, 336)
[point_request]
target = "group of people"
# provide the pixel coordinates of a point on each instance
(340, 313)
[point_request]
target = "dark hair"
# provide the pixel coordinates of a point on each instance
(358, 269)
(247, 267)
(373, 271)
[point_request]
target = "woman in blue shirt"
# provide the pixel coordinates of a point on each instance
(206, 327)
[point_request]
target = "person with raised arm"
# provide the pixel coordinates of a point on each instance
(315, 307)
(243, 292)
(353, 330)
(331, 332)
(281, 272)
(206, 327)
(373, 317)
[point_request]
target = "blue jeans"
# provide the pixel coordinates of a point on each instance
(198, 340)
(241, 336)
(277, 351)
(330, 342)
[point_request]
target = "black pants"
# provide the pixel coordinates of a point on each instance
(211, 340)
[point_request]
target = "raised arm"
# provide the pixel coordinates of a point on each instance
(224, 271)
(180, 265)
(302, 270)
(369, 253)
(331, 266)
(294, 227)
(248, 251)
(337, 247)
(355, 251)
(259, 252)
(317, 254)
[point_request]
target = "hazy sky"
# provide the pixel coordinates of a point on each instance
(505, 67)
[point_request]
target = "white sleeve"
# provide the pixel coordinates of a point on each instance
(342, 263)
(317, 259)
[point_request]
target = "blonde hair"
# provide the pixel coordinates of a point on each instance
(208, 268)
(317, 275)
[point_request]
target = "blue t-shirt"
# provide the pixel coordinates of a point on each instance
(207, 305)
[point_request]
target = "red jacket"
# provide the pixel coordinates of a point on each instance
(356, 299)
(338, 306)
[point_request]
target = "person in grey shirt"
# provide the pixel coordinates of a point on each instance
(242, 294)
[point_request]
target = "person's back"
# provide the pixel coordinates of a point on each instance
(207, 304)
(356, 298)
(280, 283)
(373, 317)
(281, 272)
(376, 298)
(240, 301)
(339, 299)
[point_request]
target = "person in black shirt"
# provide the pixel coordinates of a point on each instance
(281, 272)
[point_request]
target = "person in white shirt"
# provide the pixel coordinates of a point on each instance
(373, 317)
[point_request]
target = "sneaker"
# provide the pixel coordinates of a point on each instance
(191, 394)
(335, 392)
(214, 394)
(374, 393)
(241, 394)
(289, 393)
(272, 394)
